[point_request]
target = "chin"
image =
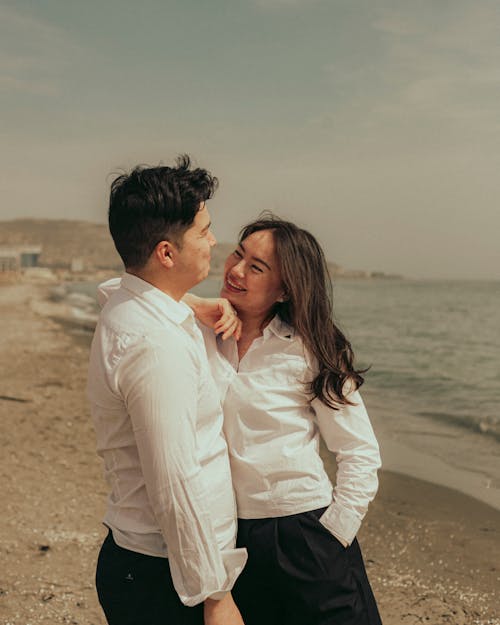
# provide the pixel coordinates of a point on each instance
(226, 294)
(202, 276)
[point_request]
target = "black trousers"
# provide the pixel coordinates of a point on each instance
(299, 574)
(135, 589)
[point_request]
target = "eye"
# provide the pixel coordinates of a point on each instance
(257, 269)
(237, 254)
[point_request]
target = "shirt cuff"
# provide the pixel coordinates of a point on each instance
(343, 523)
(234, 561)
(218, 595)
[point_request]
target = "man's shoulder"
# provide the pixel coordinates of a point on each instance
(124, 313)
(129, 323)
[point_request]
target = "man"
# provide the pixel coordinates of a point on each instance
(169, 556)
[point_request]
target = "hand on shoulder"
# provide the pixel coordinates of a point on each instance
(216, 313)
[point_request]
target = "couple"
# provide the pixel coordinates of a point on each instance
(220, 511)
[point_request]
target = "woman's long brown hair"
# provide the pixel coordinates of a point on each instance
(308, 308)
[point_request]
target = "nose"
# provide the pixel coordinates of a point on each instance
(211, 239)
(239, 268)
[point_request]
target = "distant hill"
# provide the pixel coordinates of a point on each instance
(64, 241)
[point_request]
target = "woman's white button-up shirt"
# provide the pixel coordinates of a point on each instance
(273, 433)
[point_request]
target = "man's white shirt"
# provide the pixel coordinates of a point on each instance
(158, 422)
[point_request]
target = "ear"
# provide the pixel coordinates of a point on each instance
(282, 298)
(164, 252)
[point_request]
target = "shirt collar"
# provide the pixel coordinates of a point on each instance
(178, 312)
(280, 328)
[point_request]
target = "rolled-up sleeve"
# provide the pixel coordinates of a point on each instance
(160, 391)
(348, 433)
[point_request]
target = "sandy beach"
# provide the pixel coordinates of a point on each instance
(432, 553)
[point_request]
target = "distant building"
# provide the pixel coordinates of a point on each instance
(8, 261)
(16, 258)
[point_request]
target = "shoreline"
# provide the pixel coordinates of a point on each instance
(431, 552)
(445, 454)
(401, 459)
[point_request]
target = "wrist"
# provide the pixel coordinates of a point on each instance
(192, 300)
(217, 596)
(215, 601)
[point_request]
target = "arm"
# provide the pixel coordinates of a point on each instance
(216, 313)
(348, 433)
(159, 392)
(223, 612)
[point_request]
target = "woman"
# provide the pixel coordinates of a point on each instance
(288, 380)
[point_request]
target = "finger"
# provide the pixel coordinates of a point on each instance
(225, 322)
(222, 326)
(226, 310)
(230, 331)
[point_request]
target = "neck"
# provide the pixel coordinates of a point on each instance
(176, 292)
(253, 324)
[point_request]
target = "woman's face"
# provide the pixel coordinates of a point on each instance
(252, 279)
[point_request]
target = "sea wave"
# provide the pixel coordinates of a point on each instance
(489, 427)
(74, 306)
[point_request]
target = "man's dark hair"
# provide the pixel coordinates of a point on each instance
(153, 204)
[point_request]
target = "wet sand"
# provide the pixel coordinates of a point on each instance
(432, 553)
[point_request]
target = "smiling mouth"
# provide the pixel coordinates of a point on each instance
(233, 287)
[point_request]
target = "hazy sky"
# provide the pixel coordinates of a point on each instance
(374, 124)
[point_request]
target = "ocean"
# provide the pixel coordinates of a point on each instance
(433, 345)
(433, 385)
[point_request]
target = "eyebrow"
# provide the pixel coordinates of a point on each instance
(259, 260)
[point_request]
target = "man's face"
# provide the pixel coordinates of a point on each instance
(193, 259)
